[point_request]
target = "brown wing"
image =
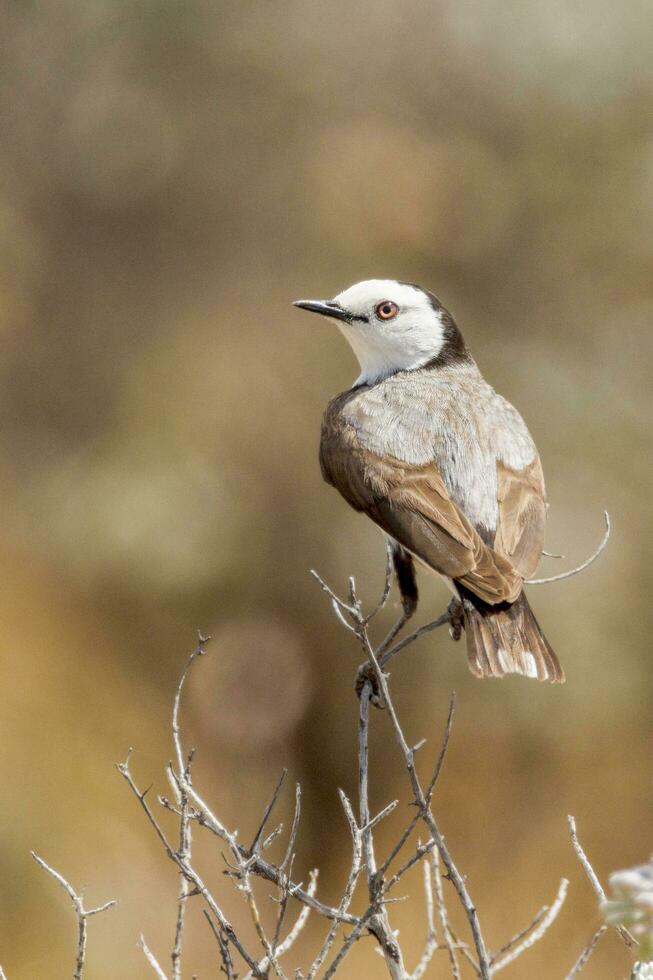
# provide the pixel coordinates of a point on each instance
(412, 505)
(522, 516)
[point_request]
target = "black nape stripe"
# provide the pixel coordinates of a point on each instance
(454, 350)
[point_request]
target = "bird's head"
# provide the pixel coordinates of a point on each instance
(392, 326)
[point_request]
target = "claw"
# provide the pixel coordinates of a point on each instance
(367, 675)
(456, 619)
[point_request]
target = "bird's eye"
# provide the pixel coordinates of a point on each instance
(386, 310)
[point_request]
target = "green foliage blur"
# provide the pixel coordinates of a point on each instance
(172, 176)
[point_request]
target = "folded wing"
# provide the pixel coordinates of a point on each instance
(411, 503)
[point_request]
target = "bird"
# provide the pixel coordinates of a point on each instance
(444, 465)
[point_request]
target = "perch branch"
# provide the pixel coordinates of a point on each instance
(425, 811)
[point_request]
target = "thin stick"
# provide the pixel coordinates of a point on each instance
(537, 934)
(208, 818)
(353, 937)
(228, 929)
(593, 878)
(81, 913)
(574, 571)
(585, 955)
(329, 591)
(426, 813)
(300, 922)
(151, 959)
(379, 923)
(268, 811)
(258, 925)
(286, 866)
(407, 640)
(394, 631)
(387, 586)
(431, 937)
(352, 878)
(185, 843)
(444, 746)
(520, 935)
(449, 940)
(227, 962)
(434, 778)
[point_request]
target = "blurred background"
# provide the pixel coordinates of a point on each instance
(172, 176)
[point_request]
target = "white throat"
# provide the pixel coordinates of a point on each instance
(379, 357)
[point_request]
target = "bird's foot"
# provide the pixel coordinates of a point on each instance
(456, 619)
(367, 676)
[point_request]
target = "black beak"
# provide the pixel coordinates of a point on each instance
(325, 307)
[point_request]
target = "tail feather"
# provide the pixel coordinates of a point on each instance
(507, 639)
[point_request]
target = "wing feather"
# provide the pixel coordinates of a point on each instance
(522, 516)
(411, 503)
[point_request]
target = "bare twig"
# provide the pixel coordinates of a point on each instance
(431, 936)
(386, 657)
(416, 818)
(444, 919)
(354, 871)
(185, 842)
(530, 940)
(285, 868)
(426, 813)
(593, 878)
(151, 959)
(334, 598)
(81, 913)
(387, 586)
(258, 925)
(586, 953)
(194, 877)
(268, 811)
(300, 922)
(223, 945)
(379, 922)
(444, 746)
(353, 937)
(574, 571)
(537, 918)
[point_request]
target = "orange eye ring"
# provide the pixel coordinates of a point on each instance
(386, 310)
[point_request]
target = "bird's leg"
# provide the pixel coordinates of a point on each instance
(456, 618)
(404, 569)
(405, 574)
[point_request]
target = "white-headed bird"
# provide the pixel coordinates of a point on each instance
(444, 465)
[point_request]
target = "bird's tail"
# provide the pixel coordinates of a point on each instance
(507, 639)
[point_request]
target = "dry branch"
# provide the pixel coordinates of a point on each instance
(82, 914)
(366, 879)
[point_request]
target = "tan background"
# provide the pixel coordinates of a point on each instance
(171, 177)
